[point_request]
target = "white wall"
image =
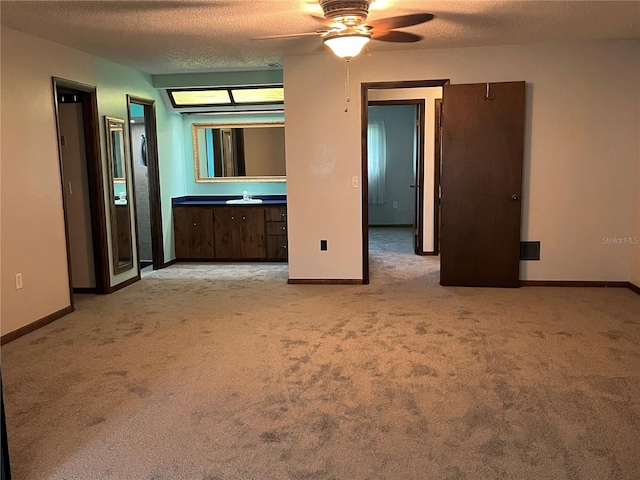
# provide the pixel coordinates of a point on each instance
(33, 237)
(581, 151)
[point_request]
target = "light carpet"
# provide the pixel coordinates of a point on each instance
(223, 371)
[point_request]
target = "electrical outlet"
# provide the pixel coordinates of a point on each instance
(323, 245)
(395, 204)
(18, 281)
(355, 182)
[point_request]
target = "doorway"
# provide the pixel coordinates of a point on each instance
(424, 224)
(82, 186)
(395, 141)
(480, 181)
(146, 179)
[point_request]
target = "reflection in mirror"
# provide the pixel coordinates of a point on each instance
(121, 238)
(239, 152)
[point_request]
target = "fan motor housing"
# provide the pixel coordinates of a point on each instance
(346, 12)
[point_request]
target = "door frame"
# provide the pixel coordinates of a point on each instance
(437, 174)
(364, 104)
(153, 170)
(94, 179)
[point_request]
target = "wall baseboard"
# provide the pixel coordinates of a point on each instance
(573, 283)
(321, 281)
(634, 288)
(11, 336)
(85, 290)
(392, 225)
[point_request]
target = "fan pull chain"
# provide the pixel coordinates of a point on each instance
(346, 85)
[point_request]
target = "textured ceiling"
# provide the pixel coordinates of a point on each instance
(208, 35)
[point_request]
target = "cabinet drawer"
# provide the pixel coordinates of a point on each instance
(276, 214)
(276, 228)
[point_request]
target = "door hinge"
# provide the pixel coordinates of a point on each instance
(415, 232)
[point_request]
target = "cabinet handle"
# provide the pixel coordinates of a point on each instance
(244, 218)
(284, 246)
(195, 224)
(233, 218)
(283, 228)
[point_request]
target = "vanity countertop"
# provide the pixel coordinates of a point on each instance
(204, 200)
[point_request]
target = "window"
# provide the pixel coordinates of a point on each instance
(377, 161)
(233, 96)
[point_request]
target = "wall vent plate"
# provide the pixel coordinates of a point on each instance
(529, 250)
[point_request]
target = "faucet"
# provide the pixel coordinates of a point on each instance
(245, 195)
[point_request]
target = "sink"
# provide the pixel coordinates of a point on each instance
(244, 201)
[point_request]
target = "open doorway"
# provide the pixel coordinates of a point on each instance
(421, 94)
(395, 160)
(144, 154)
(82, 186)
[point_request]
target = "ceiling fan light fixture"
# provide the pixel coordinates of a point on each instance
(347, 46)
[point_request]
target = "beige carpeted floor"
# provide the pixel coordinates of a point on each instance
(204, 371)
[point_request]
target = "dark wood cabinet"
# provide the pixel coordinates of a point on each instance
(193, 230)
(229, 233)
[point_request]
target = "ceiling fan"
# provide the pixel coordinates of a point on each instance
(348, 30)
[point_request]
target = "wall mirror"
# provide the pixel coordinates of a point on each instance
(239, 152)
(119, 206)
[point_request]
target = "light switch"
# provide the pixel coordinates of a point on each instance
(355, 182)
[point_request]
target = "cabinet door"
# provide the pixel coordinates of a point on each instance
(193, 230)
(252, 233)
(277, 247)
(227, 233)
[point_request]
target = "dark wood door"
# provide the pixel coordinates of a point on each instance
(483, 135)
(193, 231)
(227, 233)
(252, 232)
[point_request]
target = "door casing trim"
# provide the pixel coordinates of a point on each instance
(364, 116)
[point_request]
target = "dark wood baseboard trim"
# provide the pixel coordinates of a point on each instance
(573, 283)
(428, 254)
(323, 281)
(126, 283)
(634, 288)
(11, 336)
(85, 290)
(393, 225)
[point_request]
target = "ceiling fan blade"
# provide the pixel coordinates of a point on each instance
(322, 20)
(291, 35)
(397, 37)
(401, 21)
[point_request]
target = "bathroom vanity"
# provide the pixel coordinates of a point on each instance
(207, 228)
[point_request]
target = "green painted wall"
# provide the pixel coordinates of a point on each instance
(114, 82)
